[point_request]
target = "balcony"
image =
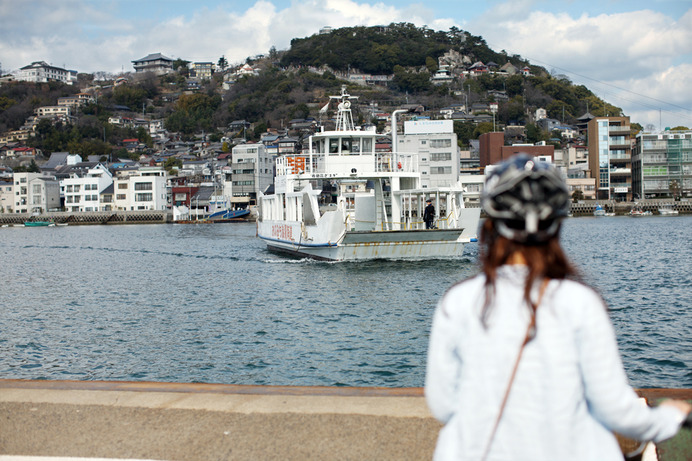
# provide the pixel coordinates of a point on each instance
(619, 129)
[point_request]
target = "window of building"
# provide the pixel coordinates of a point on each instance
(76, 188)
(143, 186)
(441, 170)
(440, 156)
(440, 143)
(122, 185)
(144, 197)
(36, 188)
(121, 197)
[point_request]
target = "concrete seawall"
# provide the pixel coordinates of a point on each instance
(213, 422)
(168, 421)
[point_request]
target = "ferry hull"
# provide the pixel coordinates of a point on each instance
(357, 246)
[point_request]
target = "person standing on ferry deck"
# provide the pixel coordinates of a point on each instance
(429, 215)
(523, 363)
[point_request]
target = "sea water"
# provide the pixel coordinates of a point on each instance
(208, 303)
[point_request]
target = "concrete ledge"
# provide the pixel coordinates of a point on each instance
(171, 421)
(203, 421)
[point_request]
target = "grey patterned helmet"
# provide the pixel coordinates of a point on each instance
(526, 199)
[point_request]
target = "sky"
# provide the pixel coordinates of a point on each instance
(635, 54)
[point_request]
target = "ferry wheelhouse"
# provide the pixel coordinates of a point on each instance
(343, 200)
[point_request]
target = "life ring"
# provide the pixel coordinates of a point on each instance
(399, 165)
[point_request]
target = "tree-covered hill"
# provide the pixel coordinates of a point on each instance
(378, 50)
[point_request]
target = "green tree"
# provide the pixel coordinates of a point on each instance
(577, 195)
(223, 63)
(411, 82)
(33, 167)
(431, 64)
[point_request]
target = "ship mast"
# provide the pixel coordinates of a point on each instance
(344, 117)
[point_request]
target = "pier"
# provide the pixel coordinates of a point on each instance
(169, 421)
(586, 207)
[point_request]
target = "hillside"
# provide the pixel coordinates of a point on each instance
(295, 83)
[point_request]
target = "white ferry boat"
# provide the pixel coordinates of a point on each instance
(343, 200)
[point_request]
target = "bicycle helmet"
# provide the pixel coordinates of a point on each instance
(526, 199)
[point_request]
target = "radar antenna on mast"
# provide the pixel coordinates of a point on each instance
(344, 117)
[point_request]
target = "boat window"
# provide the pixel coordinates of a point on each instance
(367, 146)
(355, 146)
(346, 144)
(334, 146)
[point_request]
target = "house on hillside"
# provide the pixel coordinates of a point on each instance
(156, 63)
(42, 72)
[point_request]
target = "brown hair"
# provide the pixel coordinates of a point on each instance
(545, 260)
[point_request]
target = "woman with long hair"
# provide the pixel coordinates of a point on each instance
(523, 363)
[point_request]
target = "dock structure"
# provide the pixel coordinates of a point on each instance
(586, 207)
(170, 421)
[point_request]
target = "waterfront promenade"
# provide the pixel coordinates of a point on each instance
(168, 421)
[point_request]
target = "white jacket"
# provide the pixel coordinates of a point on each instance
(570, 390)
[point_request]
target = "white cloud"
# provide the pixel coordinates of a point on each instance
(635, 50)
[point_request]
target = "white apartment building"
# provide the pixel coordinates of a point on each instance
(42, 72)
(53, 111)
(83, 193)
(438, 153)
(252, 171)
(34, 192)
(6, 197)
(144, 189)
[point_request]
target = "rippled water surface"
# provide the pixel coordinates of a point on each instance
(208, 303)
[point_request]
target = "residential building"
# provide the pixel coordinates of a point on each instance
(435, 142)
(571, 156)
(53, 111)
(76, 100)
(252, 172)
(142, 189)
(106, 198)
(156, 63)
(42, 72)
(610, 157)
(661, 160)
(83, 192)
(34, 192)
(202, 70)
(14, 136)
(473, 187)
(579, 178)
(6, 195)
(492, 149)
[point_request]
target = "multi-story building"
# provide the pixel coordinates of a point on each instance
(202, 70)
(83, 193)
(42, 72)
(34, 192)
(76, 100)
(252, 171)
(144, 189)
(662, 164)
(53, 111)
(156, 63)
(435, 142)
(492, 149)
(6, 195)
(14, 136)
(610, 157)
